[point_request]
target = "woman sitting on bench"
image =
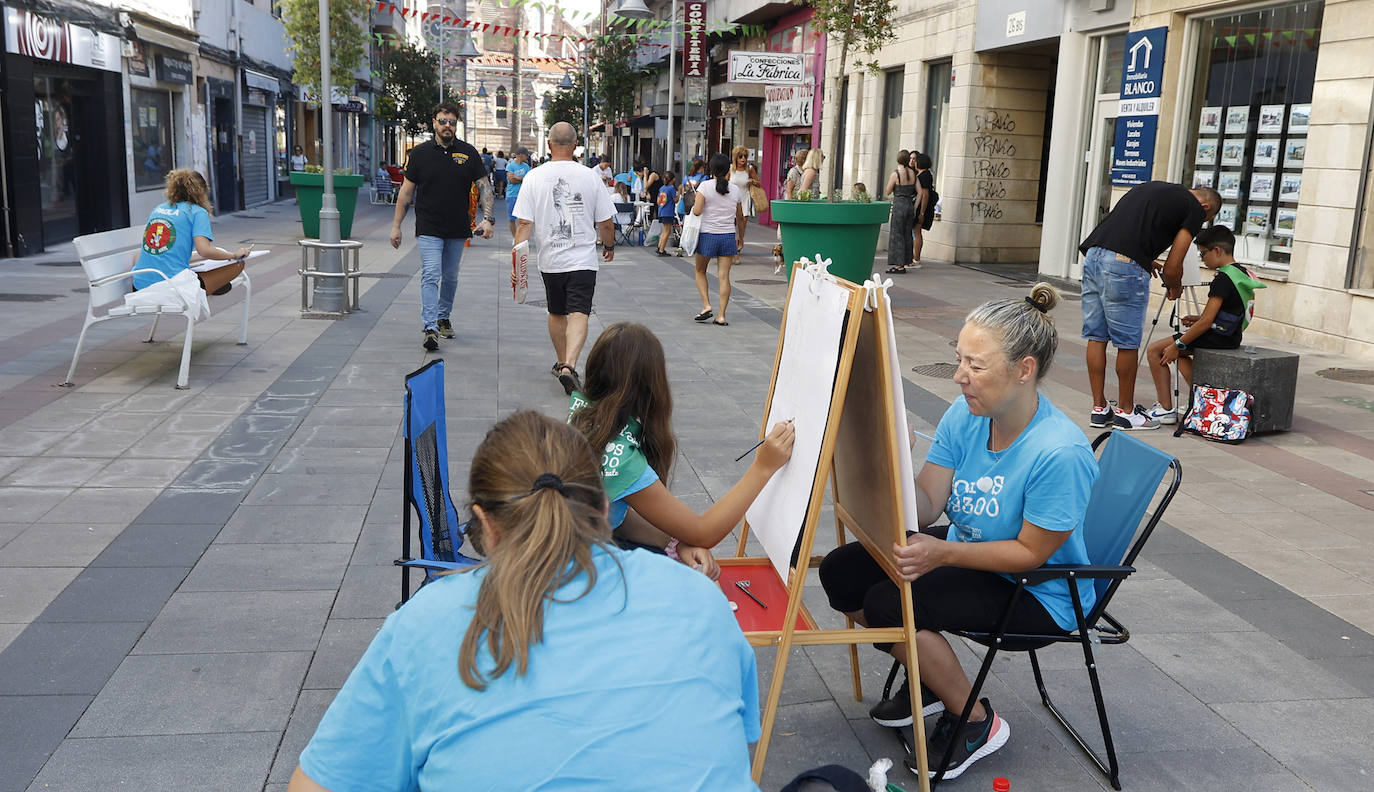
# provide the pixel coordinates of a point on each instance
(179, 226)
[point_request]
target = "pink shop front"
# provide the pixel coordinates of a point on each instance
(791, 113)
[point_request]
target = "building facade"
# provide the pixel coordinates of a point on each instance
(1024, 117)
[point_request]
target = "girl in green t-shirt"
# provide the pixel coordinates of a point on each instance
(625, 409)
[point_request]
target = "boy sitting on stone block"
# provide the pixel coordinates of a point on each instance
(1230, 306)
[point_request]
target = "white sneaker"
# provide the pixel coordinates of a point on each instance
(1133, 420)
(1164, 415)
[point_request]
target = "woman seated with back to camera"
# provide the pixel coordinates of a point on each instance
(563, 662)
(1013, 474)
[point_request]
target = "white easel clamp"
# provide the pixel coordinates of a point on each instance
(816, 269)
(871, 288)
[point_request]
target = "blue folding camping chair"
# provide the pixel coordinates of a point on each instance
(1116, 526)
(426, 482)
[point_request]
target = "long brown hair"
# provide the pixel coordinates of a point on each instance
(627, 377)
(539, 482)
(184, 185)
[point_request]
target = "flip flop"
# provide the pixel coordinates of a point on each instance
(704, 315)
(720, 323)
(896, 270)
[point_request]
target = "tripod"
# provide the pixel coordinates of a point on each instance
(1175, 323)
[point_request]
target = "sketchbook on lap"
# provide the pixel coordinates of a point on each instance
(205, 265)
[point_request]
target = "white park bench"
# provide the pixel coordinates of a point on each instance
(108, 259)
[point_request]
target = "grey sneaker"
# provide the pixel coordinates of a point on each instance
(431, 340)
(1133, 420)
(1101, 417)
(445, 329)
(1165, 415)
(895, 712)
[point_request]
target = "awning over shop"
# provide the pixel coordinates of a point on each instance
(152, 35)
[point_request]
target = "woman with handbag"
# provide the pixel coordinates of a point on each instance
(720, 205)
(744, 176)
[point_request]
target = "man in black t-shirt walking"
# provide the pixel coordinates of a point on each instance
(439, 175)
(1119, 258)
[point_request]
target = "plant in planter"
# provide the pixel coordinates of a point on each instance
(348, 50)
(844, 231)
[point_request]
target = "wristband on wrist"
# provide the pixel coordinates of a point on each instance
(671, 550)
(1178, 342)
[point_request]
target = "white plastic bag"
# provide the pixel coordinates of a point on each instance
(691, 229)
(182, 289)
(520, 271)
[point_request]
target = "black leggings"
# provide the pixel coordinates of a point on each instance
(946, 598)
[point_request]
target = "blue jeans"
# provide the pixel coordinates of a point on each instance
(1116, 292)
(439, 260)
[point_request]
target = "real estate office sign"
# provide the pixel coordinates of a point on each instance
(1137, 121)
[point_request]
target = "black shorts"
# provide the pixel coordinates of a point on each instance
(1213, 340)
(947, 598)
(569, 292)
(667, 222)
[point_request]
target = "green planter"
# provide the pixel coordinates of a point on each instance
(845, 233)
(310, 197)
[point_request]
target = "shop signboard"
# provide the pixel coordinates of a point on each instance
(769, 68)
(694, 48)
(172, 69)
(788, 105)
(44, 38)
(1137, 122)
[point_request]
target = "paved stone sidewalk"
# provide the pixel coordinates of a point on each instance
(186, 577)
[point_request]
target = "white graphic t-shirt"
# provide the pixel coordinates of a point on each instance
(565, 201)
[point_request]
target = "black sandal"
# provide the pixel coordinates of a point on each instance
(704, 315)
(896, 270)
(721, 323)
(567, 377)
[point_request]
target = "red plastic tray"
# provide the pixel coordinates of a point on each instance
(764, 584)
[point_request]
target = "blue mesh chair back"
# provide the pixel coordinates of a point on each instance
(1129, 474)
(426, 490)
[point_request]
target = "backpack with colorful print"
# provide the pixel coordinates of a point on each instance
(1220, 414)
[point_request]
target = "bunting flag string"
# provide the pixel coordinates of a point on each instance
(646, 26)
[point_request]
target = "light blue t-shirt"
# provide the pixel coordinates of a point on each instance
(1045, 476)
(169, 240)
(518, 169)
(646, 682)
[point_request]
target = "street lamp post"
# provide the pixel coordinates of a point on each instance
(328, 292)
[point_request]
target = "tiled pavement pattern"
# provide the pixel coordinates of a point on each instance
(186, 577)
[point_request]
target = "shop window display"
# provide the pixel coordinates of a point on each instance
(152, 122)
(1249, 122)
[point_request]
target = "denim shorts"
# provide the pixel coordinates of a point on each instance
(1116, 292)
(712, 245)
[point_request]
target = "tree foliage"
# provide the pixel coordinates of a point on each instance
(349, 21)
(862, 26)
(412, 86)
(616, 78)
(565, 104)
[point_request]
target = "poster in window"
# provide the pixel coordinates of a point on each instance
(1229, 184)
(1270, 119)
(1203, 179)
(1261, 187)
(1226, 216)
(1210, 123)
(1298, 118)
(1237, 120)
(1294, 152)
(1267, 153)
(1284, 221)
(1290, 184)
(1257, 221)
(1206, 152)
(1233, 152)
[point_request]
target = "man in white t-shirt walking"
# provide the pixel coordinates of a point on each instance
(565, 207)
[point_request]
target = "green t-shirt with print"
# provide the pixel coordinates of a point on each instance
(622, 460)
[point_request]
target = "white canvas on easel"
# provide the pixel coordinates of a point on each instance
(1192, 268)
(805, 385)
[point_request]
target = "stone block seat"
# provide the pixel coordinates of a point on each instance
(1270, 376)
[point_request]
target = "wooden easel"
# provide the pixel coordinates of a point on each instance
(859, 453)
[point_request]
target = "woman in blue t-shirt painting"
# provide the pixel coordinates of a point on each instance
(179, 227)
(1013, 474)
(561, 663)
